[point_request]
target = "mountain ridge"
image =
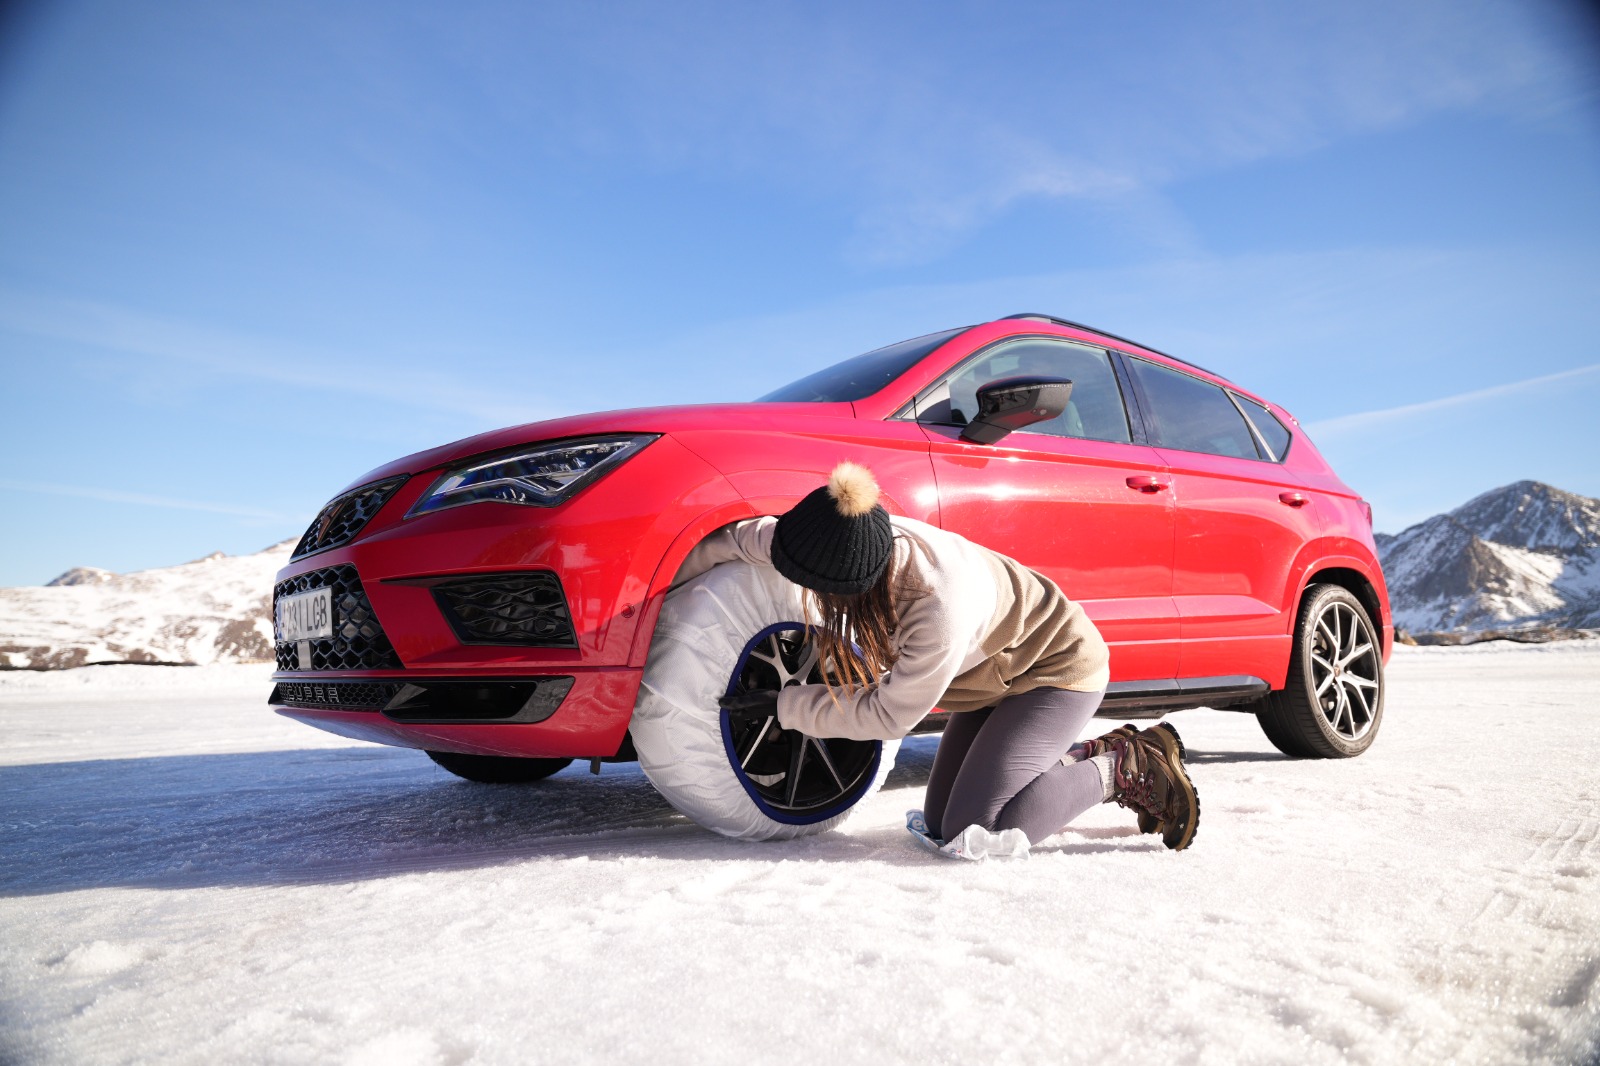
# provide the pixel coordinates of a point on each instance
(1518, 558)
(211, 610)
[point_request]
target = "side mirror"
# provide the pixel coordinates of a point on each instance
(1012, 403)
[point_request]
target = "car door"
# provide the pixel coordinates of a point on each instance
(1241, 522)
(1074, 498)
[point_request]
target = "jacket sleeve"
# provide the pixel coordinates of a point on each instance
(930, 658)
(747, 541)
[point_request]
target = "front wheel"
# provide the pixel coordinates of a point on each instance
(1333, 703)
(739, 627)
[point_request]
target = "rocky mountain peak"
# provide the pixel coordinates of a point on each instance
(82, 575)
(1533, 515)
(1522, 555)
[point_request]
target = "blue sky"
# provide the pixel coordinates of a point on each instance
(248, 252)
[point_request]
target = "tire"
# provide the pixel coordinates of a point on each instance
(497, 769)
(743, 626)
(1333, 704)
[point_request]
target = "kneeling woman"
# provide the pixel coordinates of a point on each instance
(942, 622)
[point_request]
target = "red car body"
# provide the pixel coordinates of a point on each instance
(1191, 564)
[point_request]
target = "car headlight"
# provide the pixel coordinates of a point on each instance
(538, 476)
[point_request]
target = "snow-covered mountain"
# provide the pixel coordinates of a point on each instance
(1524, 556)
(216, 609)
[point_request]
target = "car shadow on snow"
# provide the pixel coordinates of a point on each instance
(343, 814)
(1201, 757)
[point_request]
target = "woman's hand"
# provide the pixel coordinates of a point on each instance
(757, 703)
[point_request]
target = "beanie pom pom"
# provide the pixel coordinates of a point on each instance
(853, 489)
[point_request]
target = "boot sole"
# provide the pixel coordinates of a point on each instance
(1149, 823)
(1172, 745)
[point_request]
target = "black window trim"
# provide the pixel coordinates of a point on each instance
(1263, 452)
(1239, 401)
(907, 412)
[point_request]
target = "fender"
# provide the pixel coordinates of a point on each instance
(769, 502)
(707, 523)
(1343, 553)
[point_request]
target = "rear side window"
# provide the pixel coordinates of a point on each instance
(1275, 433)
(1094, 412)
(860, 377)
(1192, 415)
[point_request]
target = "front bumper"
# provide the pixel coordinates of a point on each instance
(410, 609)
(590, 719)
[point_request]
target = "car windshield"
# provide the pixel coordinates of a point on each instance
(861, 376)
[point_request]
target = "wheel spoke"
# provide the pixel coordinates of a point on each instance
(1324, 663)
(1357, 679)
(1337, 709)
(822, 753)
(1351, 696)
(1333, 641)
(797, 758)
(1355, 654)
(1323, 686)
(760, 736)
(808, 662)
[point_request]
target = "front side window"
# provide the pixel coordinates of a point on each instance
(860, 377)
(1094, 412)
(1192, 415)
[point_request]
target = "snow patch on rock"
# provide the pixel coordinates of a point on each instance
(1525, 556)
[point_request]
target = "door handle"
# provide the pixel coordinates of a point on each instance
(1146, 483)
(1293, 499)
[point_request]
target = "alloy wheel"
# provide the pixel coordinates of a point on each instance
(790, 773)
(1346, 671)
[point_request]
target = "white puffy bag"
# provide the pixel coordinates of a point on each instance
(733, 618)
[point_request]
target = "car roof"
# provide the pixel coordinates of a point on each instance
(1035, 316)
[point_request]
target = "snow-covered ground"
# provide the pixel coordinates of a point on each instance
(185, 877)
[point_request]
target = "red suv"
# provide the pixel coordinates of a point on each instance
(508, 602)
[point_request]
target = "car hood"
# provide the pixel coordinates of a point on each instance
(768, 417)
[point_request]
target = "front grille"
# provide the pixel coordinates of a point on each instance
(348, 695)
(358, 641)
(345, 516)
(526, 608)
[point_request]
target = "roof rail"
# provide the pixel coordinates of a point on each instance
(1106, 333)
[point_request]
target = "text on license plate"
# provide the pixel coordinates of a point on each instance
(305, 615)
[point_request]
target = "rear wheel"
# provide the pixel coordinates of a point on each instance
(1332, 706)
(497, 769)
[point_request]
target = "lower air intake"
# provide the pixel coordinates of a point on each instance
(526, 609)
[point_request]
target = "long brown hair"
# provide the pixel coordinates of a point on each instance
(855, 637)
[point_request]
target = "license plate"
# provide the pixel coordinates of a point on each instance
(305, 616)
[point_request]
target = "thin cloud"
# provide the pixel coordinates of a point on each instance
(1329, 427)
(84, 492)
(135, 333)
(857, 103)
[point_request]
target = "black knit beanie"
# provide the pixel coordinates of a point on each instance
(838, 538)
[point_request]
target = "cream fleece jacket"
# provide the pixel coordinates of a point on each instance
(986, 628)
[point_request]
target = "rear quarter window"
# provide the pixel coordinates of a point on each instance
(1274, 433)
(1192, 415)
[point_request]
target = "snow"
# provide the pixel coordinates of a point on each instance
(186, 878)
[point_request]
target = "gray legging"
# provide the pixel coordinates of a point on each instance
(1001, 767)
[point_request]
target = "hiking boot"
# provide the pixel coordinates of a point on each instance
(1149, 778)
(1148, 823)
(1102, 744)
